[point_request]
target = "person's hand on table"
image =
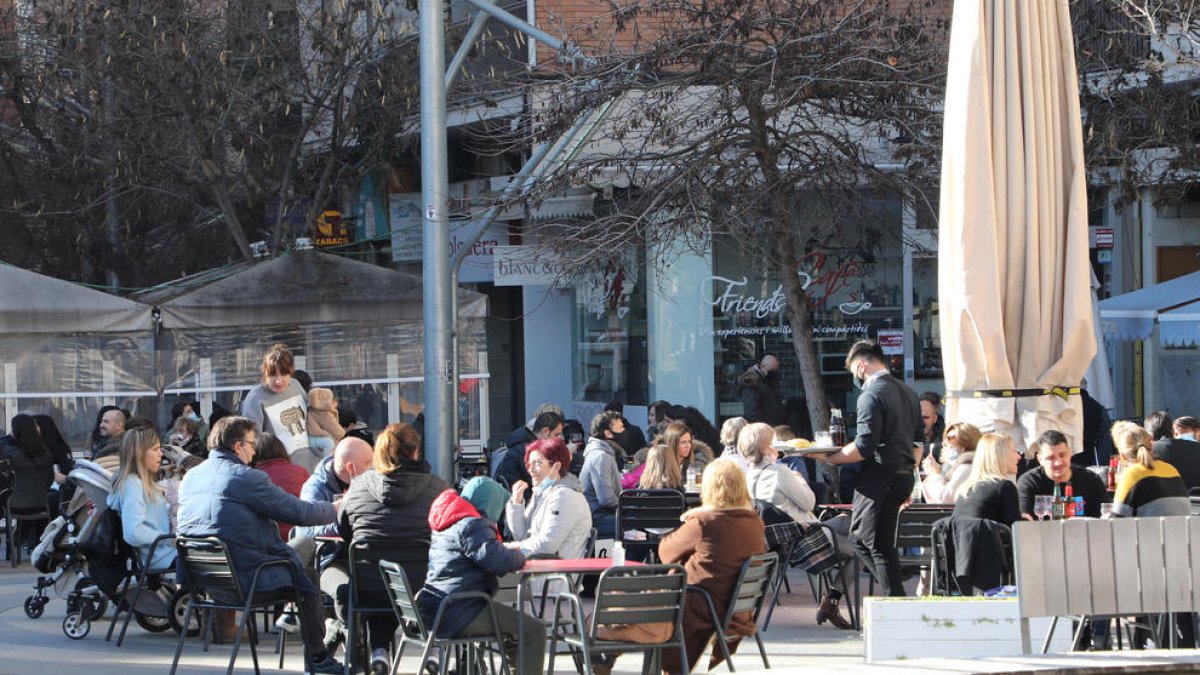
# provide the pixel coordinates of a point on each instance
(514, 545)
(518, 491)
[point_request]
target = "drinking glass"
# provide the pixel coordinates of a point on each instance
(1043, 506)
(1106, 510)
(823, 439)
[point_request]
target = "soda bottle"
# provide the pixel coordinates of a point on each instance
(1069, 505)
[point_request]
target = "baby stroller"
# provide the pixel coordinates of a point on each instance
(57, 555)
(90, 539)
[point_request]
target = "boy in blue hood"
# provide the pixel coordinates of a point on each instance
(466, 554)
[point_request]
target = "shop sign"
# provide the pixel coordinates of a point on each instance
(1105, 237)
(526, 266)
(331, 230)
(407, 242)
(891, 341)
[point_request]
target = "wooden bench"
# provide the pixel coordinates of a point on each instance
(1119, 567)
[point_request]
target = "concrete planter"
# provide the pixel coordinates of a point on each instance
(924, 627)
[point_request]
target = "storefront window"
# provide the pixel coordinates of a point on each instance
(855, 282)
(610, 334)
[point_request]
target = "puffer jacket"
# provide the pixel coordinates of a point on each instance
(322, 486)
(223, 497)
(392, 506)
(465, 555)
(557, 521)
(600, 476)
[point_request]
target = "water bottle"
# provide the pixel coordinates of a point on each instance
(618, 554)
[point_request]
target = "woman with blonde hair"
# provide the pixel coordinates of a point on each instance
(1147, 487)
(661, 470)
(145, 514)
(711, 544)
(990, 491)
(943, 478)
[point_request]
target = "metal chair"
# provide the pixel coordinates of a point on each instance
(782, 542)
(213, 585)
(914, 527)
(367, 582)
(141, 578)
(628, 596)
(650, 512)
(467, 650)
(749, 594)
(29, 496)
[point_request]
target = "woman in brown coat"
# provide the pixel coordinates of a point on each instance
(713, 542)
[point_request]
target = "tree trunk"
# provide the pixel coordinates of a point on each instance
(802, 335)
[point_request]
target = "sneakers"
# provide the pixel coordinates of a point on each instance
(828, 611)
(288, 622)
(380, 662)
(334, 634)
(326, 665)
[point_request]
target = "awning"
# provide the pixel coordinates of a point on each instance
(36, 303)
(1131, 316)
(1180, 327)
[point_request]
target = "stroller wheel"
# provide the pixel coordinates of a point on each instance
(34, 606)
(76, 627)
(92, 605)
(178, 609)
(152, 624)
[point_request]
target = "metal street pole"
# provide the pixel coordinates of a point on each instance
(440, 436)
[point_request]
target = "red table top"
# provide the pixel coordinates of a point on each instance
(569, 565)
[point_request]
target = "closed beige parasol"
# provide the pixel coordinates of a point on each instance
(1015, 301)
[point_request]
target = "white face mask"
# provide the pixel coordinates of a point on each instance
(949, 454)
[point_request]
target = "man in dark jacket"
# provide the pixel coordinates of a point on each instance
(759, 386)
(1180, 453)
(225, 498)
(466, 554)
(511, 469)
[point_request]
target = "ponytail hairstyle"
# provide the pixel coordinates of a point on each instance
(1135, 444)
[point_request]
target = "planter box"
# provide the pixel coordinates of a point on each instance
(910, 628)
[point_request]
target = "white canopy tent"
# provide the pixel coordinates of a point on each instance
(1171, 378)
(1132, 316)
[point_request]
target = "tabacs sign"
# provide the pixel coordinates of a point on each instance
(331, 230)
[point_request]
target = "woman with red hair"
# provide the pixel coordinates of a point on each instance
(557, 520)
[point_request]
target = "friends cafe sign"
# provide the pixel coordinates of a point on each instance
(824, 281)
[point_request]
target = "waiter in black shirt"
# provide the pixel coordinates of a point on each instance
(889, 444)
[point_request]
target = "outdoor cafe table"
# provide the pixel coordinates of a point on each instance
(555, 566)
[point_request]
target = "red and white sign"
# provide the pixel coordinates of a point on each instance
(891, 341)
(1104, 237)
